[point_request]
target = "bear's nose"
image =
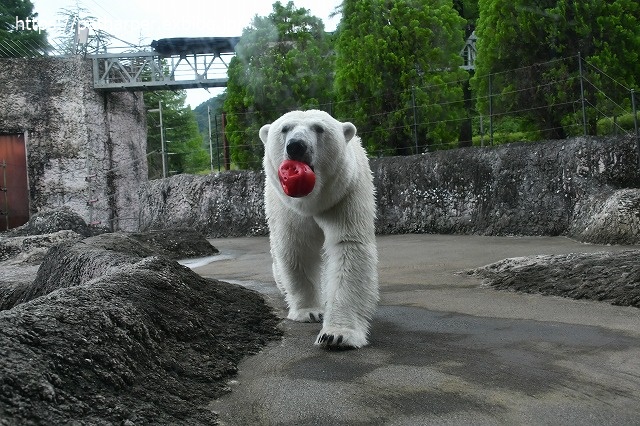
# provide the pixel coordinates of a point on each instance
(296, 148)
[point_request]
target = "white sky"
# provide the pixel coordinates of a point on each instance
(141, 21)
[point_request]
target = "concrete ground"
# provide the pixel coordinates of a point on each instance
(444, 349)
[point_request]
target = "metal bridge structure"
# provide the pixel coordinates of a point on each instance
(173, 64)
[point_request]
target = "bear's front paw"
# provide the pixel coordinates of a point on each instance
(341, 338)
(306, 315)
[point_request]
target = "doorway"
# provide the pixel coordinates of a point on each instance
(14, 186)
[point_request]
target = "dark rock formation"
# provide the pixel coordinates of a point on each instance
(109, 337)
(73, 263)
(32, 248)
(605, 276)
(50, 221)
(543, 188)
(29, 243)
(175, 243)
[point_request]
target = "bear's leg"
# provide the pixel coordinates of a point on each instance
(351, 281)
(296, 269)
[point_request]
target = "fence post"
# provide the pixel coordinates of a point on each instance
(225, 144)
(217, 144)
(415, 121)
(491, 109)
(584, 110)
(635, 123)
(210, 140)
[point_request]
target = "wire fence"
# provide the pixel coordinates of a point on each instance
(543, 101)
(100, 42)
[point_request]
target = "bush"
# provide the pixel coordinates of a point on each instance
(615, 125)
(502, 138)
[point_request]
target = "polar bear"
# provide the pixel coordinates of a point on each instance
(323, 244)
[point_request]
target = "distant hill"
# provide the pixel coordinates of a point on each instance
(201, 111)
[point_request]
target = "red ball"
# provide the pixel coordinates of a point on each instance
(297, 178)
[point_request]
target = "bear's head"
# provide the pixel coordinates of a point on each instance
(314, 138)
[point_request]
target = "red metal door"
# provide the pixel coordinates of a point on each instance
(14, 189)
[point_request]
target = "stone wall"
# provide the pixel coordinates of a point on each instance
(517, 189)
(544, 188)
(228, 204)
(85, 149)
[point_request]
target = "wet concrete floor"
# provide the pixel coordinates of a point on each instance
(444, 349)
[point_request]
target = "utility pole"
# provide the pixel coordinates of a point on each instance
(582, 100)
(415, 119)
(210, 142)
(163, 150)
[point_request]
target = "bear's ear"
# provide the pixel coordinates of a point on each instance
(264, 133)
(349, 131)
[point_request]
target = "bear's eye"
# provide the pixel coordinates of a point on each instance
(318, 128)
(285, 129)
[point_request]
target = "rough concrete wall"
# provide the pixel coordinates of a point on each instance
(546, 188)
(608, 217)
(228, 204)
(85, 150)
(519, 189)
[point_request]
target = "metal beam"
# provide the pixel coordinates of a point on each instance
(158, 71)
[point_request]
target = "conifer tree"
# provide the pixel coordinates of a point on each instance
(183, 142)
(19, 38)
(513, 35)
(283, 62)
(393, 55)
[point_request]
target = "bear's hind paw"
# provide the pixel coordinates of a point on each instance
(306, 315)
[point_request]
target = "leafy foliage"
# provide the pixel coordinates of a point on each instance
(518, 32)
(283, 62)
(392, 54)
(215, 105)
(184, 145)
(216, 109)
(23, 41)
(469, 11)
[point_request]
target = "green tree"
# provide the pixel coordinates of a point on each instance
(469, 11)
(18, 37)
(515, 35)
(284, 62)
(392, 55)
(184, 145)
(214, 106)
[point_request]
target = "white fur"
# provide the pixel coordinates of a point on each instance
(323, 245)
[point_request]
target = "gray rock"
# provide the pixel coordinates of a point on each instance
(515, 189)
(227, 204)
(31, 249)
(608, 218)
(175, 243)
(75, 262)
(50, 221)
(107, 337)
(606, 276)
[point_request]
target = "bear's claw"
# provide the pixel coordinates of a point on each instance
(343, 339)
(313, 317)
(329, 338)
(306, 315)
